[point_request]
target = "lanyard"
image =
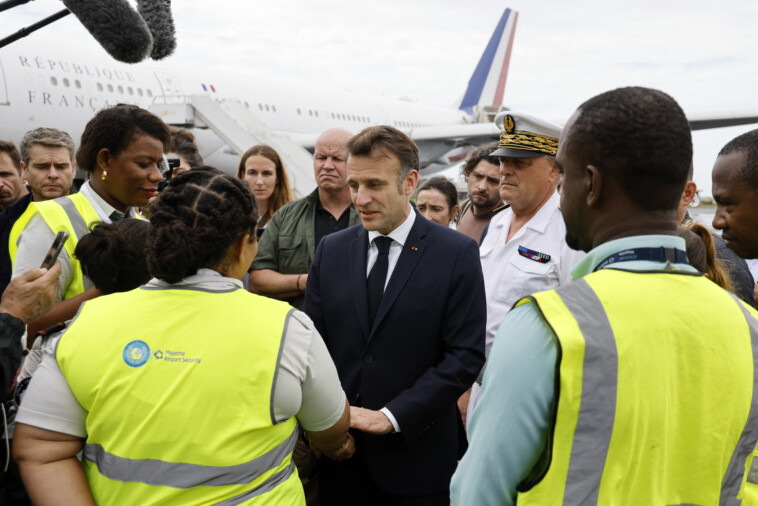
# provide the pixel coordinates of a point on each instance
(673, 255)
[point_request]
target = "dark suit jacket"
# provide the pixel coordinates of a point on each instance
(425, 349)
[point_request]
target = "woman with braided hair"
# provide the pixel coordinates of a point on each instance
(189, 389)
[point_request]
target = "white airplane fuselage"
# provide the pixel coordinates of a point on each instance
(64, 91)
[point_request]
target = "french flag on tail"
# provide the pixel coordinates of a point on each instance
(487, 84)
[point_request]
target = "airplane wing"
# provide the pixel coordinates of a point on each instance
(433, 142)
(722, 119)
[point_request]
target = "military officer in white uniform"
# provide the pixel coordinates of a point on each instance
(525, 248)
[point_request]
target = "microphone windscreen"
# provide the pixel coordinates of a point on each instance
(116, 26)
(157, 15)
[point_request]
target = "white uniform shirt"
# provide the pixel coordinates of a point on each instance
(509, 276)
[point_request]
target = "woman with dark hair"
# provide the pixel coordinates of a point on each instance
(183, 145)
(437, 201)
(122, 151)
(190, 389)
(263, 170)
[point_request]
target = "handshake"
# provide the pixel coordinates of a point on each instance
(364, 420)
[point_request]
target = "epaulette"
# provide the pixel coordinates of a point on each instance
(501, 208)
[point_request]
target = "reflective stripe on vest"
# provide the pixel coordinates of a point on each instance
(733, 479)
(595, 456)
(178, 384)
(595, 424)
(72, 213)
(180, 475)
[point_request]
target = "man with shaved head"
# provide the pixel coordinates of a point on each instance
(735, 190)
(635, 382)
(285, 251)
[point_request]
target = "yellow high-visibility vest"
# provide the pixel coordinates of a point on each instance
(72, 213)
(178, 384)
(656, 401)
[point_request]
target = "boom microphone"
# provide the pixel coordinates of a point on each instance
(116, 26)
(157, 16)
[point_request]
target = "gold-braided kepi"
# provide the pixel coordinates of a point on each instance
(523, 136)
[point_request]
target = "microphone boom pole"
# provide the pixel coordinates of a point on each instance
(9, 4)
(33, 28)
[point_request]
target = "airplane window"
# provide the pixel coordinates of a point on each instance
(110, 88)
(78, 83)
(332, 115)
(298, 110)
(273, 108)
(316, 112)
(260, 107)
(267, 108)
(99, 86)
(139, 91)
(130, 90)
(247, 105)
(120, 89)
(310, 112)
(149, 93)
(54, 81)
(66, 83)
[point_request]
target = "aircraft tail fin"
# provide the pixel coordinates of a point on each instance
(487, 84)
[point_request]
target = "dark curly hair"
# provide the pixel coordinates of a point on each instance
(195, 220)
(641, 138)
(113, 255)
(114, 129)
(476, 155)
(746, 143)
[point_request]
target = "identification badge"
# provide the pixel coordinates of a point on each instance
(542, 258)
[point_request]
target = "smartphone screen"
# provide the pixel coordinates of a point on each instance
(55, 250)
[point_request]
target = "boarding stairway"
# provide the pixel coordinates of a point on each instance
(240, 129)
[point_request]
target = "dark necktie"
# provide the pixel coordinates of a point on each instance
(377, 277)
(115, 216)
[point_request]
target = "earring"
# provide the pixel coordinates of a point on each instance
(105, 175)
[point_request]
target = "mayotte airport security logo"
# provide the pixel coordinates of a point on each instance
(136, 353)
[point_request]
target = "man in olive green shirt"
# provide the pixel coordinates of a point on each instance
(285, 251)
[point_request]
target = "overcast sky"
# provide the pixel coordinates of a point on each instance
(564, 51)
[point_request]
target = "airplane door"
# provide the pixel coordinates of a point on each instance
(3, 87)
(170, 86)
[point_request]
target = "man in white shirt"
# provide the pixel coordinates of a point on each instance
(525, 248)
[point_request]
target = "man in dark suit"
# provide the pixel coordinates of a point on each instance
(400, 303)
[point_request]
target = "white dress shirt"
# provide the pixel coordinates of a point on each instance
(509, 276)
(398, 236)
